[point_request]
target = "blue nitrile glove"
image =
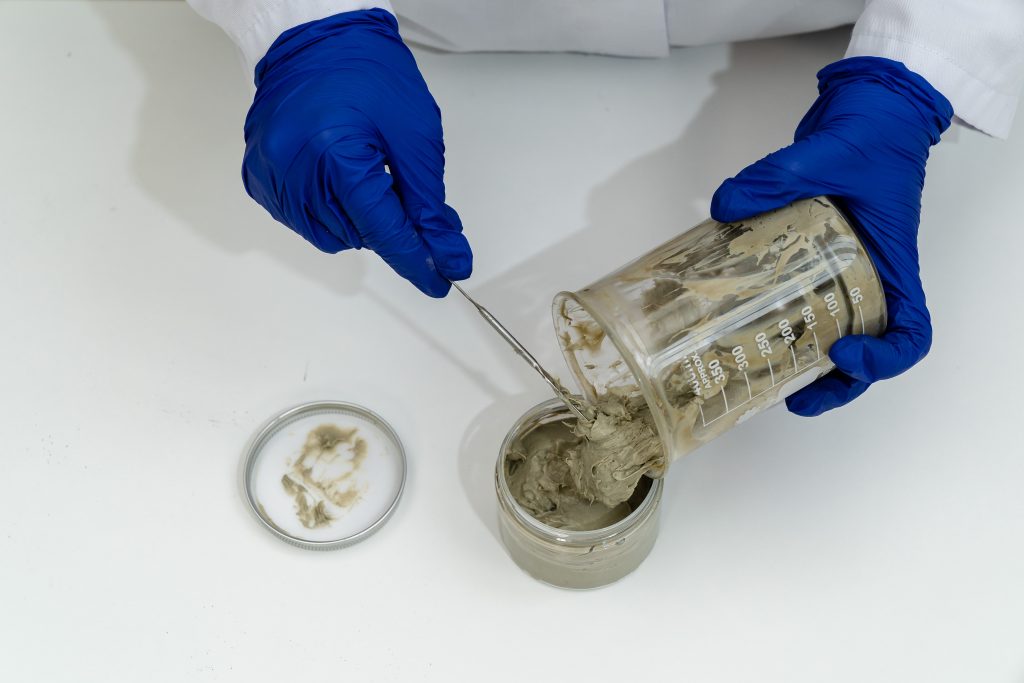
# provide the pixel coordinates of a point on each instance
(865, 144)
(336, 100)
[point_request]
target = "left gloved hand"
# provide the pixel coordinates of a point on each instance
(864, 143)
(343, 144)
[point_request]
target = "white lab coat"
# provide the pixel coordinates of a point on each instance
(972, 51)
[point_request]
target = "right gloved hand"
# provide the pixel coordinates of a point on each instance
(865, 143)
(337, 100)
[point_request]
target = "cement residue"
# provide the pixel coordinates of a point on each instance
(323, 474)
(724, 317)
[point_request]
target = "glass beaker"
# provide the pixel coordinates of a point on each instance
(724, 320)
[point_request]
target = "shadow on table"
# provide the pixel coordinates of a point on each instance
(188, 151)
(188, 144)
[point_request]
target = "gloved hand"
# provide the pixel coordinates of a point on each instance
(336, 100)
(865, 144)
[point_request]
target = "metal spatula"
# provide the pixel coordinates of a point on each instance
(581, 410)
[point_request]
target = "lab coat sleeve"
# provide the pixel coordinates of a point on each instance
(972, 51)
(255, 24)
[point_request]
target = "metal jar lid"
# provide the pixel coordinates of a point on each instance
(324, 475)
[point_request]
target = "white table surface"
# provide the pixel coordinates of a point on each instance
(154, 317)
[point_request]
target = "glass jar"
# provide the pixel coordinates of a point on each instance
(724, 320)
(572, 559)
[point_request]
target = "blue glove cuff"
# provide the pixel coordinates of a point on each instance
(931, 106)
(298, 38)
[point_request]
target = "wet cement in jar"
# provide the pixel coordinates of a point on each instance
(581, 475)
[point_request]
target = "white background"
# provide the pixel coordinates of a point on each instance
(153, 317)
